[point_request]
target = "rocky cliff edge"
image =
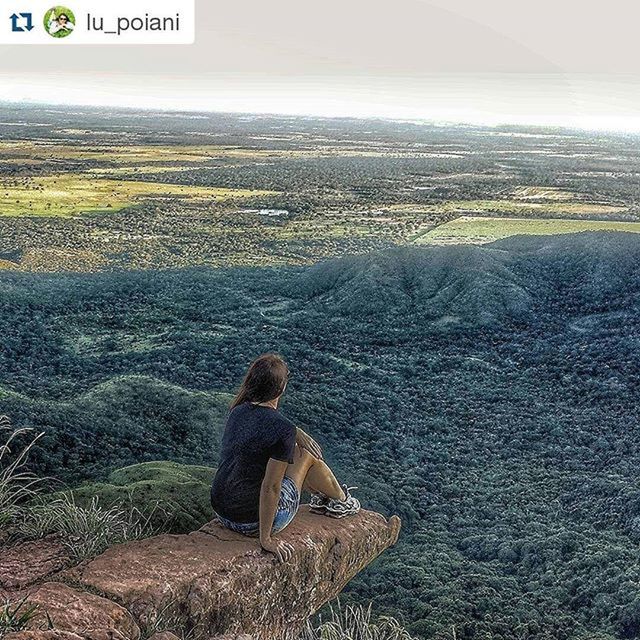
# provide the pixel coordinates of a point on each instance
(208, 584)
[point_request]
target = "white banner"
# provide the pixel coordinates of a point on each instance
(98, 22)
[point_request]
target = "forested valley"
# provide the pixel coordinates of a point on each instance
(487, 394)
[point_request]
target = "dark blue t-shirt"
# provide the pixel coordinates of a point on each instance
(252, 435)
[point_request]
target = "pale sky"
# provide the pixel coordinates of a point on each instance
(564, 62)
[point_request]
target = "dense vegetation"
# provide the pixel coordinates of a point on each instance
(489, 395)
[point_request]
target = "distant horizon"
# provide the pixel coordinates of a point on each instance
(603, 125)
(570, 65)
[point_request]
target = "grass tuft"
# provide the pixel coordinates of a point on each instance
(355, 623)
(17, 484)
(16, 616)
(86, 530)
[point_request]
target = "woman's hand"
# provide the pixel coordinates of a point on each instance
(305, 441)
(282, 550)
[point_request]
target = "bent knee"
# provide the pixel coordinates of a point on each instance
(303, 455)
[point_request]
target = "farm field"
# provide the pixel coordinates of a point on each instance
(175, 190)
(558, 207)
(118, 153)
(477, 230)
(69, 193)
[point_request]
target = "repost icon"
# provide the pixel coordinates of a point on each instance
(21, 22)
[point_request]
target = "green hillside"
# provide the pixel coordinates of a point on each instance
(176, 495)
(124, 420)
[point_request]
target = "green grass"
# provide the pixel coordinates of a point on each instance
(480, 230)
(87, 529)
(17, 616)
(139, 169)
(74, 193)
(17, 483)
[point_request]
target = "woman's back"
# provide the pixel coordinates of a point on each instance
(253, 434)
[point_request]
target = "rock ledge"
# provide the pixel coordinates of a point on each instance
(209, 583)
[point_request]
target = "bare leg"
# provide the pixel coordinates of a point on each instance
(312, 474)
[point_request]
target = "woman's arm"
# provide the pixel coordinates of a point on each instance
(305, 441)
(269, 496)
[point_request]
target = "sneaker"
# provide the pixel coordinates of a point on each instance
(318, 503)
(343, 508)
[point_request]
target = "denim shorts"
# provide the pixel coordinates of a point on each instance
(288, 505)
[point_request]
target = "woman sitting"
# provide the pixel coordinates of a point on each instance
(266, 462)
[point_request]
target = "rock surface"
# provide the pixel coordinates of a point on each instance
(212, 583)
(30, 562)
(85, 614)
(42, 635)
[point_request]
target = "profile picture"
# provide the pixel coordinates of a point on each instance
(59, 22)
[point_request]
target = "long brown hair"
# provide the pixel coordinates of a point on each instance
(265, 380)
